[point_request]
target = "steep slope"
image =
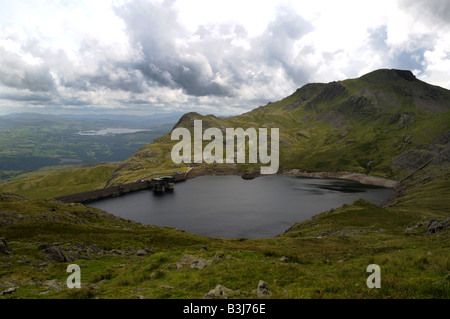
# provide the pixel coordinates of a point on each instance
(386, 123)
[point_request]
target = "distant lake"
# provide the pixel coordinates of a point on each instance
(231, 207)
(111, 131)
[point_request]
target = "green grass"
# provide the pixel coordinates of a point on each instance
(61, 183)
(327, 255)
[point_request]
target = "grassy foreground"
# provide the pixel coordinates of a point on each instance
(325, 257)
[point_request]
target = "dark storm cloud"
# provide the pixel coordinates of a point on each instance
(15, 73)
(214, 65)
(435, 11)
(154, 29)
(114, 77)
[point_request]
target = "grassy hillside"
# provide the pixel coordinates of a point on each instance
(325, 257)
(62, 182)
(362, 125)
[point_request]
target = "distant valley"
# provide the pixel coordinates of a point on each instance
(35, 143)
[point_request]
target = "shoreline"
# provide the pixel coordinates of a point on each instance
(297, 172)
(346, 175)
(352, 176)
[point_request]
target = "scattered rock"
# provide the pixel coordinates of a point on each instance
(284, 259)
(42, 264)
(413, 228)
(71, 256)
(54, 284)
(263, 289)
(143, 252)
(220, 292)
(115, 252)
(342, 232)
(166, 287)
(193, 262)
(218, 255)
(435, 226)
(8, 291)
(95, 249)
(54, 253)
(4, 249)
(7, 284)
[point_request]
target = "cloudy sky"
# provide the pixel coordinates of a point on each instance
(218, 57)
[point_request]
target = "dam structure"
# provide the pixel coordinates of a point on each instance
(158, 185)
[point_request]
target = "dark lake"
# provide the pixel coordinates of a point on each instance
(231, 207)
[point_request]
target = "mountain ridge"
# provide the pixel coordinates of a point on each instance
(358, 125)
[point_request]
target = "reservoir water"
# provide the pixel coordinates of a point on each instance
(231, 207)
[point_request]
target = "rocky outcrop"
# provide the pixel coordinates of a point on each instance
(53, 253)
(143, 252)
(359, 177)
(193, 262)
(8, 291)
(262, 290)
(4, 249)
(435, 226)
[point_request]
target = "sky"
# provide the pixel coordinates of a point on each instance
(221, 57)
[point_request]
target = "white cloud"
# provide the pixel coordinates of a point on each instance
(216, 56)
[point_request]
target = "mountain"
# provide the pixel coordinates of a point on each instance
(386, 123)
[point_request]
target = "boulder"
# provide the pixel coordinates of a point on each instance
(263, 289)
(4, 249)
(54, 253)
(166, 287)
(193, 262)
(143, 252)
(54, 284)
(284, 259)
(435, 226)
(8, 291)
(219, 292)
